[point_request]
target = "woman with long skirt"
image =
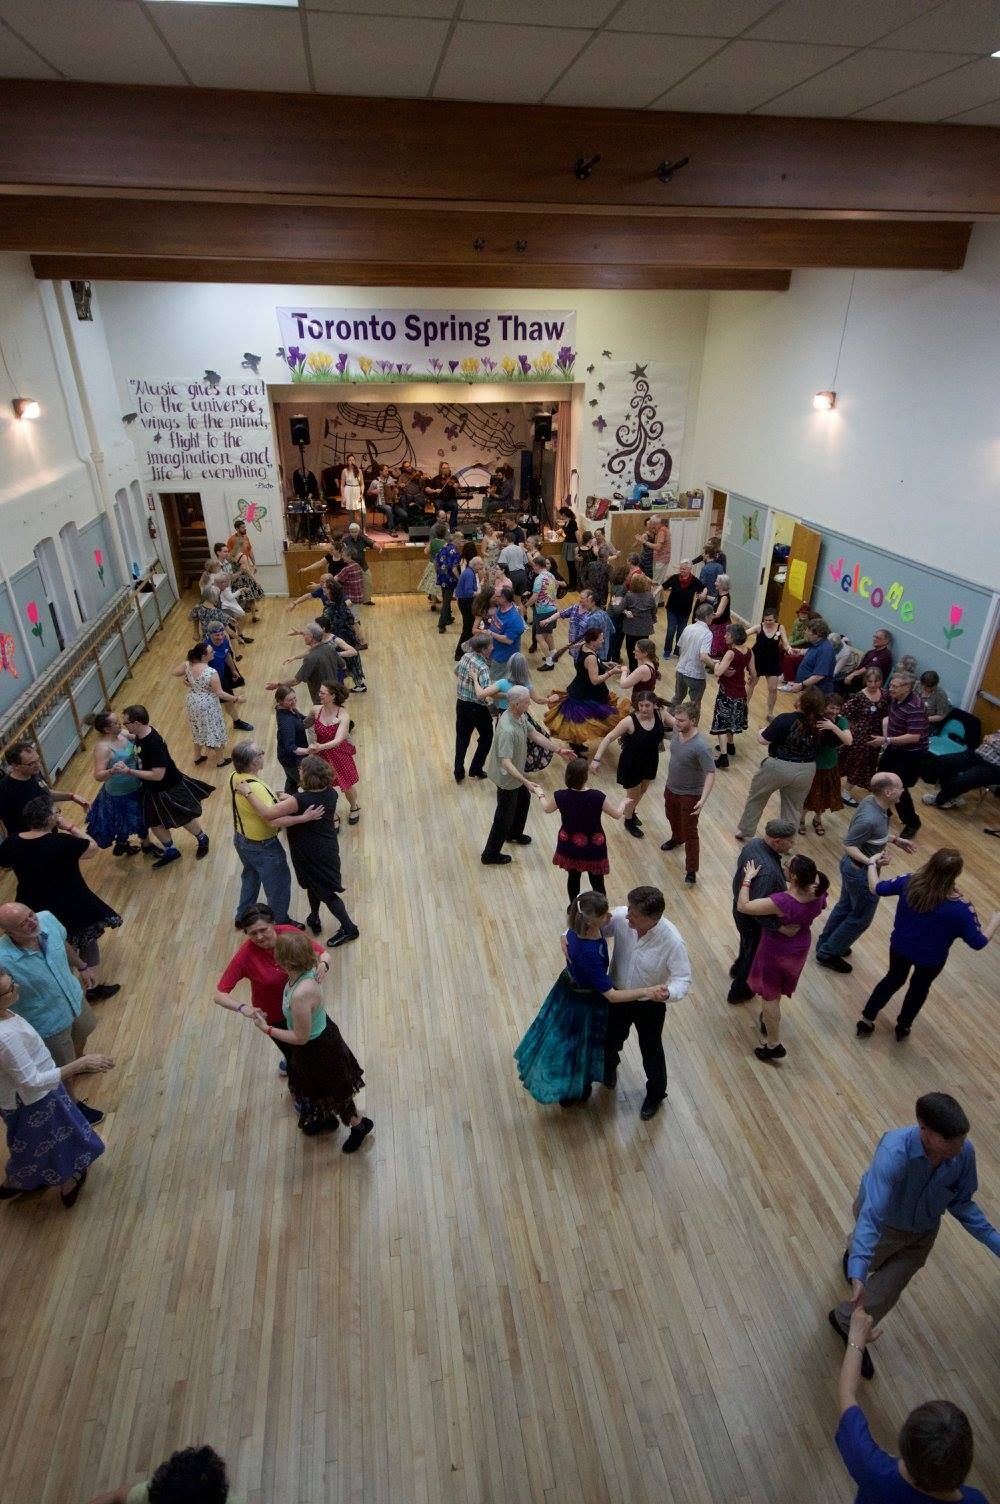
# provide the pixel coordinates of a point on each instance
(736, 676)
(931, 914)
(323, 1075)
(586, 709)
(116, 814)
(331, 726)
(865, 712)
(782, 952)
(204, 704)
(49, 1141)
(562, 1054)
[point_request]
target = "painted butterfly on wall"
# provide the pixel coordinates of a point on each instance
(606, 354)
(250, 362)
(422, 421)
(750, 527)
(600, 423)
(8, 647)
(252, 512)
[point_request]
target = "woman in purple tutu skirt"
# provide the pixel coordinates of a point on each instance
(586, 709)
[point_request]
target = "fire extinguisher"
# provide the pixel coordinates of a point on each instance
(151, 525)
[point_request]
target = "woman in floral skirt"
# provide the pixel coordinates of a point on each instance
(736, 676)
(204, 696)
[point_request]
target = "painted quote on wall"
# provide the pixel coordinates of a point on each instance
(199, 430)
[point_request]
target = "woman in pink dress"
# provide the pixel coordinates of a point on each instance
(782, 951)
(331, 726)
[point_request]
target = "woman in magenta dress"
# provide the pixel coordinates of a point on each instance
(581, 845)
(782, 951)
(331, 726)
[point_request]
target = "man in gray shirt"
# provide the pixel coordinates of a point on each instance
(505, 765)
(321, 664)
(690, 780)
(766, 851)
(867, 836)
(693, 662)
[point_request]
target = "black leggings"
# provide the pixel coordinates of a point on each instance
(574, 881)
(916, 992)
(334, 903)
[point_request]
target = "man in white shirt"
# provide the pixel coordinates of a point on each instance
(693, 662)
(648, 951)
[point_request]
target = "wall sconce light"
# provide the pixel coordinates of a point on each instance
(26, 407)
(665, 171)
(584, 166)
(824, 401)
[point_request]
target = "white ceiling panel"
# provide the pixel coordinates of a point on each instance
(747, 74)
(955, 93)
(18, 61)
(852, 23)
(956, 26)
(628, 71)
(432, 8)
(248, 48)
(862, 80)
(986, 114)
(516, 63)
(694, 18)
(532, 13)
(374, 55)
(99, 41)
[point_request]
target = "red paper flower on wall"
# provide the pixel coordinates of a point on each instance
(99, 561)
(31, 612)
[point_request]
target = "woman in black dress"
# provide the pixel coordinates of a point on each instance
(313, 845)
(581, 845)
(769, 645)
(641, 735)
(45, 858)
(570, 528)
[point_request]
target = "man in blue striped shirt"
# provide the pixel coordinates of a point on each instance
(917, 1174)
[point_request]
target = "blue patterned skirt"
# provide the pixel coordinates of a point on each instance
(48, 1141)
(563, 1051)
(114, 817)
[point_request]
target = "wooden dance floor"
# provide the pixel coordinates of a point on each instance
(492, 1301)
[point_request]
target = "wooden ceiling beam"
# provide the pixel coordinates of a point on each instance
(121, 137)
(406, 274)
(291, 233)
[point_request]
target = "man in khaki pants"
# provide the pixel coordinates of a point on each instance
(917, 1174)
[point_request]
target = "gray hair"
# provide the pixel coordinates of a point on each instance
(516, 694)
(905, 677)
(244, 756)
(704, 612)
(315, 631)
(478, 642)
(215, 626)
(354, 527)
(518, 671)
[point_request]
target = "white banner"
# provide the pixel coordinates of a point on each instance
(200, 431)
(380, 345)
(640, 427)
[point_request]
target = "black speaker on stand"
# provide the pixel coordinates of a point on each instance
(543, 428)
(299, 425)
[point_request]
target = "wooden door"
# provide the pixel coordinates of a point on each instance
(803, 558)
(987, 706)
(186, 534)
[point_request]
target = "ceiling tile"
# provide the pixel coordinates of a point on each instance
(694, 18)
(530, 13)
(747, 74)
(956, 93)
(986, 114)
(432, 8)
(237, 48)
(861, 80)
(18, 61)
(851, 23)
(629, 71)
(516, 63)
(958, 26)
(98, 41)
(393, 57)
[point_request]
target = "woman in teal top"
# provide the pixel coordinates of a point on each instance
(323, 1075)
(116, 814)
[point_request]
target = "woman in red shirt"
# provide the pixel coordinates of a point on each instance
(736, 677)
(255, 962)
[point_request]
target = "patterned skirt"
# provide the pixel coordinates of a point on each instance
(112, 818)
(246, 587)
(175, 806)
(824, 792)
(48, 1141)
(563, 1051)
(581, 721)
(730, 716)
(427, 583)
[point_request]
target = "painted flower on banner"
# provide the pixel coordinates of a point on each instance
(451, 432)
(545, 362)
(7, 649)
(403, 367)
(470, 366)
(31, 612)
(565, 360)
(524, 363)
(320, 363)
(385, 366)
(453, 366)
(422, 421)
(435, 364)
(343, 361)
(296, 359)
(953, 630)
(488, 364)
(99, 561)
(508, 365)
(366, 363)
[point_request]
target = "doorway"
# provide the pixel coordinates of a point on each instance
(782, 528)
(187, 535)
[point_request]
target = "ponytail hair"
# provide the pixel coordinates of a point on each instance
(807, 875)
(585, 910)
(812, 706)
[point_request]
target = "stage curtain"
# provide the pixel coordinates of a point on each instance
(563, 456)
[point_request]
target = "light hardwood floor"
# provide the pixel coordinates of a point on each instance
(493, 1301)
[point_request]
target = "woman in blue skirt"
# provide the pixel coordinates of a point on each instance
(116, 814)
(562, 1053)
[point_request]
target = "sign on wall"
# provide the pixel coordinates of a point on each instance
(380, 345)
(640, 425)
(190, 431)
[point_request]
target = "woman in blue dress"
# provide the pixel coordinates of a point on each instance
(116, 814)
(562, 1053)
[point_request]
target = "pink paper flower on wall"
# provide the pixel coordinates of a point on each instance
(99, 561)
(953, 630)
(31, 612)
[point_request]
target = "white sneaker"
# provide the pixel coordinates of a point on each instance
(787, 689)
(951, 804)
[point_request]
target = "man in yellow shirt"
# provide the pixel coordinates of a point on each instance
(257, 843)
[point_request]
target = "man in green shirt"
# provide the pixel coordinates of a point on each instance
(505, 765)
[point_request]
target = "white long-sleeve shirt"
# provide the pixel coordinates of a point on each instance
(657, 958)
(27, 1070)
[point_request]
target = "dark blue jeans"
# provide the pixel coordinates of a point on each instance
(852, 913)
(264, 865)
(675, 626)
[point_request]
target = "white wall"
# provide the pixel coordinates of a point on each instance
(909, 459)
(166, 330)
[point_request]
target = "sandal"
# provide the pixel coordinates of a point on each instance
(199, 760)
(802, 827)
(354, 817)
(819, 827)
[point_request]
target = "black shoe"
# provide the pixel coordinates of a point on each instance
(691, 877)
(843, 1265)
(500, 860)
(479, 775)
(770, 1053)
(243, 725)
(168, 854)
(901, 1032)
(94, 1115)
(835, 963)
(69, 1198)
(246, 640)
(722, 762)
(634, 829)
(343, 936)
(518, 841)
(867, 1366)
(121, 848)
(650, 1107)
(909, 831)
(313, 924)
(670, 845)
(864, 1027)
(610, 1080)
(357, 1136)
(737, 995)
(201, 852)
(459, 777)
(150, 848)
(295, 924)
(103, 992)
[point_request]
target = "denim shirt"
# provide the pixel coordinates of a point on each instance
(50, 996)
